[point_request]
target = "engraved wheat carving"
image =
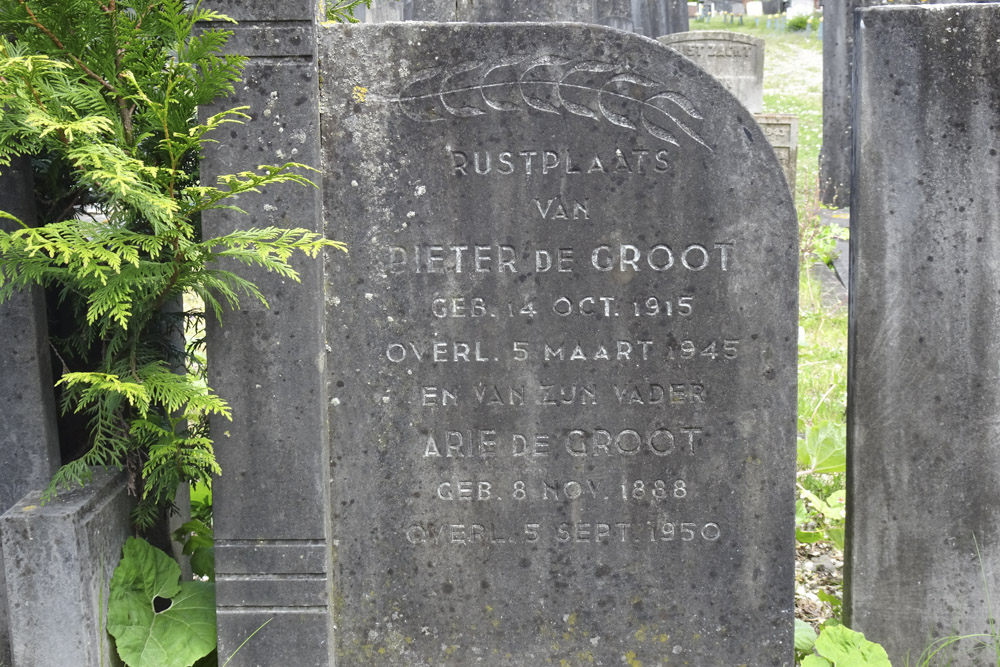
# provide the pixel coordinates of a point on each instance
(552, 84)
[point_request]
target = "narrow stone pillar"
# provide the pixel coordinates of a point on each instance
(272, 501)
(924, 379)
(29, 441)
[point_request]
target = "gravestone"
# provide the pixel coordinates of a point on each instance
(922, 396)
(734, 59)
(561, 376)
(271, 504)
(29, 443)
(782, 132)
(59, 558)
(801, 8)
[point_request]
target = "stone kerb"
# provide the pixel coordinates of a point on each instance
(562, 352)
(735, 59)
(58, 560)
(922, 395)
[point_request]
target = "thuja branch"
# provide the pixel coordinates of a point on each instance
(55, 40)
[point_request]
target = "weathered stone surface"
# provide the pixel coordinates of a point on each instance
(735, 59)
(58, 560)
(782, 132)
(562, 367)
(269, 365)
(29, 442)
(646, 17)
(924, 378)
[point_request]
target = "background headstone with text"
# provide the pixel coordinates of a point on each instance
(734, 59)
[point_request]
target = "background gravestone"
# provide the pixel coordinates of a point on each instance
(562, 353)
(923, 542)
(29, 443)
(271, 504)
(782, 132)
(734, 59)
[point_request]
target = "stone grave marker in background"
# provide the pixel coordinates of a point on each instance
(782, 132)
(923, 386)
(735, 59)
(838, 65)
(29, 442)
(561, 378)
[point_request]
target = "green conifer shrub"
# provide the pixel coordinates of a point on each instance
(103, 95)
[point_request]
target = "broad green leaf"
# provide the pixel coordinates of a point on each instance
(203, 562)
(836, 536)
(808, 536)
(805, 636)
(824, 449)
(847, 648)
(175, 637)
(815, 661)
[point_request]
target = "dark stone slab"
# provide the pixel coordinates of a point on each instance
(735, 59)
(59, 558)
(29, 442)
(838, 63)
(562, 367)
(654, 18)
(272, 502)
(924, 464)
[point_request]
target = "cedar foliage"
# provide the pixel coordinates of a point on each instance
(103, 95)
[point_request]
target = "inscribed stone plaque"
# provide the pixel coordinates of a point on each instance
(734, 59)
(562, 353)
(923, 387)
(782, 132)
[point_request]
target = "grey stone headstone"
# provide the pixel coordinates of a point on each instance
(923, 396)
(59, 558)
(735, 59)
(271, 504)
(29, 442)
(782, 132)
(562, 366)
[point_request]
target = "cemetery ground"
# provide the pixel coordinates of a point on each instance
(793, 84)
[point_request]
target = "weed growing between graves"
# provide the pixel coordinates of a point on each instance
(103, 97)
